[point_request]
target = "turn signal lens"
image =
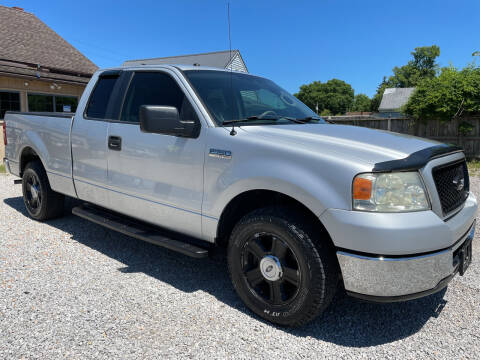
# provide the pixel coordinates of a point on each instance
(362, 188)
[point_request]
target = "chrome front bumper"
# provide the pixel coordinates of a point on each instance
(396, 278)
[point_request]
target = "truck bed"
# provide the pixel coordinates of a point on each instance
(48, 135)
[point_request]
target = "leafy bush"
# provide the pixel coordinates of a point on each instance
(450, 95)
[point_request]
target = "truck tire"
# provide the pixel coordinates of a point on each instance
(279, 269)
(41, 202)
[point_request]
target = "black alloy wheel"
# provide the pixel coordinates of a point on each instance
(282, 267)
(33, 193)
(41, 202)
(271, 269)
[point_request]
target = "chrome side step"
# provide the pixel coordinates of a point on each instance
(137, 230)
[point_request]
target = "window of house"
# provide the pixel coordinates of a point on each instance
(97, 106)
(155, 88)
(65, 103)
(51, 103)
(9, 101)
(40, 102)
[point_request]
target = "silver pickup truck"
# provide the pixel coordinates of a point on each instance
(188, 158)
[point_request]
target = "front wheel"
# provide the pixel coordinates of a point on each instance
(41, 202)
(279, 269)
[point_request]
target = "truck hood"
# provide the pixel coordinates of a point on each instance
(362, 144)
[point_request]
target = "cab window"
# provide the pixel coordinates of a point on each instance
(155, 88)
(97, 105)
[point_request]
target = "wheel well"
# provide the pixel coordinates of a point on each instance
(249, 201)
(28, 154)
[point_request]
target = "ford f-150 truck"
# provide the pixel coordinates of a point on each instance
(188, 157)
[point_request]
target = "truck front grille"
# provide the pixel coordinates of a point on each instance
(452, 184)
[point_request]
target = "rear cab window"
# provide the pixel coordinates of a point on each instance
(102, 95)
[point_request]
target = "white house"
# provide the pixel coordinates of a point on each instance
(219, 59)
(392, 101)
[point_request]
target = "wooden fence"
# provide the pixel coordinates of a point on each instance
(447, 132)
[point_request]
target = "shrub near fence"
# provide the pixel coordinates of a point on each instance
(464, 131)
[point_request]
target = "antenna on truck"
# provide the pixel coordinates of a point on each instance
(232, 132)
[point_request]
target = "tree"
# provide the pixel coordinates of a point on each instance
(310, 94)
(325, 112)
(361, 102)
(377, 98)
(452, 94)
(335, 95)
(422, 66)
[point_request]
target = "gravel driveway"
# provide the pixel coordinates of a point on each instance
(72, 289)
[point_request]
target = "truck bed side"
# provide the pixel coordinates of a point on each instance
(48, 136)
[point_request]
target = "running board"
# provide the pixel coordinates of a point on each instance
(137, 230)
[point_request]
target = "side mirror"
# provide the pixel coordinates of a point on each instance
(165, 120)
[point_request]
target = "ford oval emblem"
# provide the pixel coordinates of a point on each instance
(459, 182)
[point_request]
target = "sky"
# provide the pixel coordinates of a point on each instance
(290, 42)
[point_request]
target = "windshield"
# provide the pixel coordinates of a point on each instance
(255, 100)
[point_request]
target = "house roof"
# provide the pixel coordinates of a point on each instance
(26, 40)
(394, 98)
(217, 59)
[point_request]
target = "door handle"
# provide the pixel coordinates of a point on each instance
(115, 143)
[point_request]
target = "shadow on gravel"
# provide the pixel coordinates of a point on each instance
(347, 322)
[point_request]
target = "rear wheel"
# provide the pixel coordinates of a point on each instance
(41, 202)
(279, 269)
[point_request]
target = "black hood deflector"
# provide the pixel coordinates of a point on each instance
(417, 160)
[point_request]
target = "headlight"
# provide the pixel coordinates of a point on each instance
(389, 192)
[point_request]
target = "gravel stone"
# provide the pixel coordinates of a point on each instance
(72, 289)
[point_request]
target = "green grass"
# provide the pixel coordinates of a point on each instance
(2, 169)
(474, 167)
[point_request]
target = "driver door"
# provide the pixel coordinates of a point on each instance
(154, 177)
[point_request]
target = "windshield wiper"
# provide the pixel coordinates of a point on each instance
(250, 118)
(254, 118)
(308, 119)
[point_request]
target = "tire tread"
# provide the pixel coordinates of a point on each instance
(54, 202)
(321, 292)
